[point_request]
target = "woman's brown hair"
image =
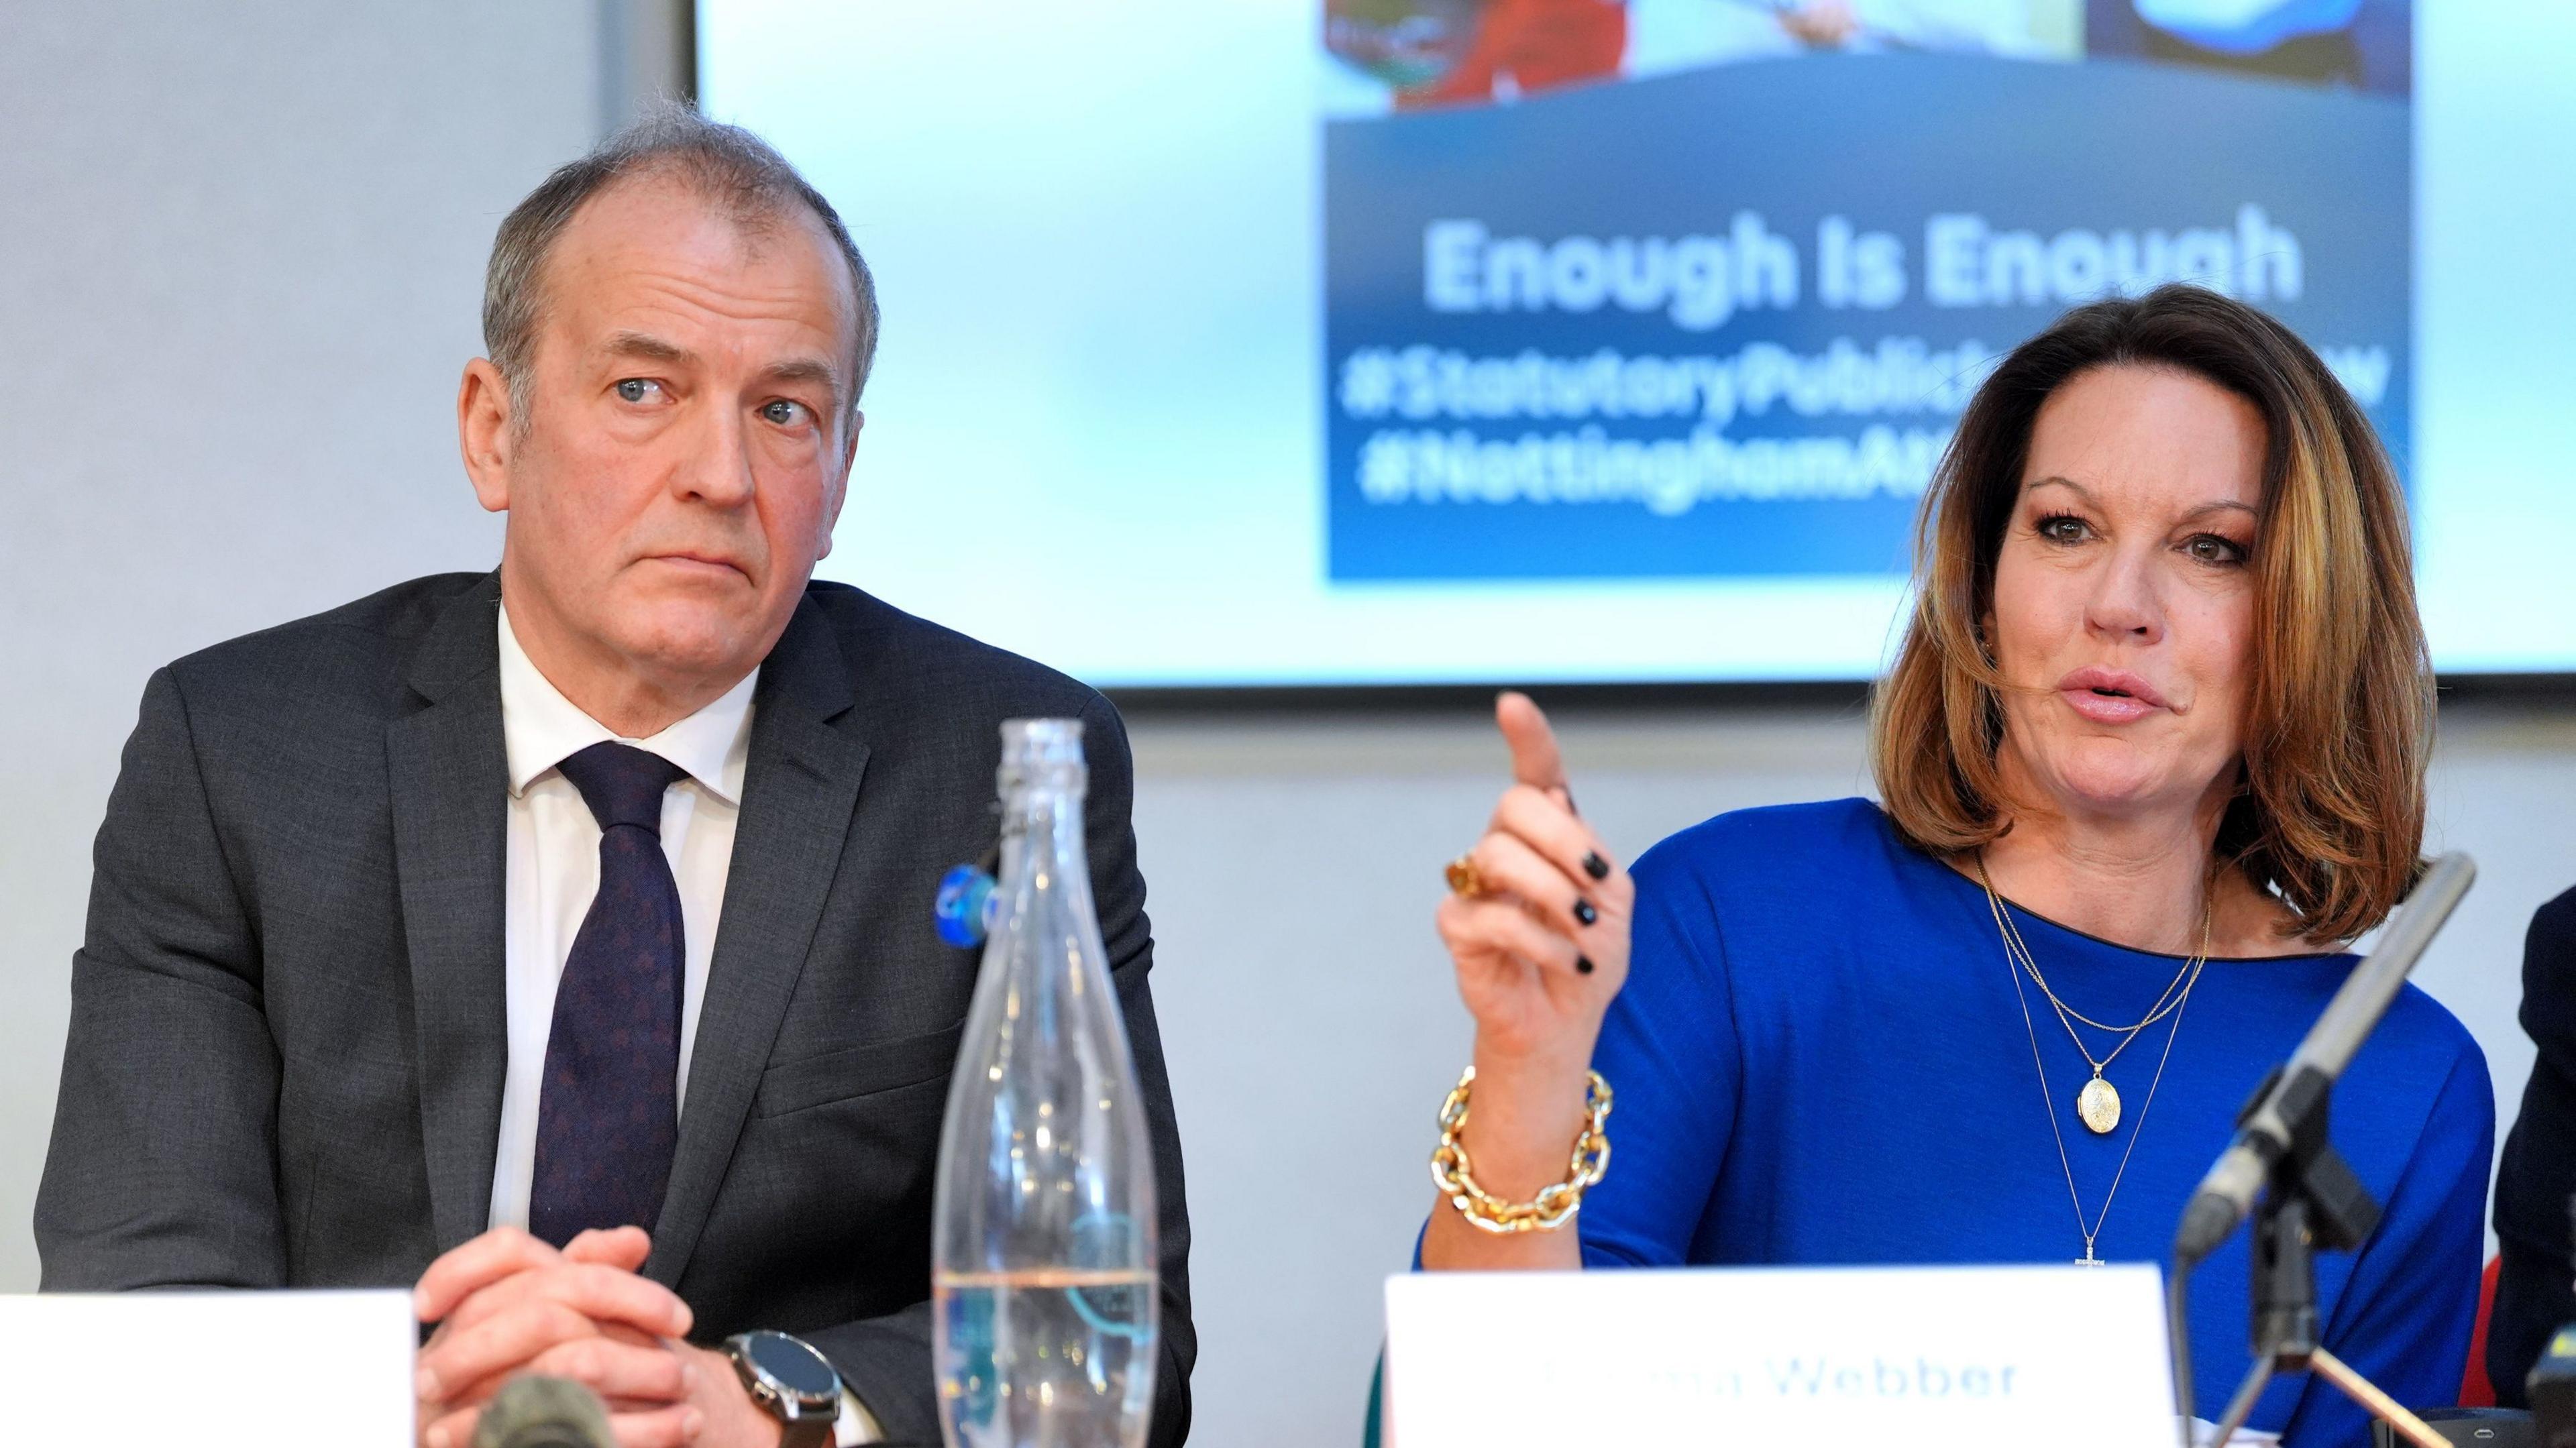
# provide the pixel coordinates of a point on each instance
(2329, 810)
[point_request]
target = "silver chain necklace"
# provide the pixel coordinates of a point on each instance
(2097, 1104)
(2091, 1230)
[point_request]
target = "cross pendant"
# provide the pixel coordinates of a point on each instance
(2088, 1259)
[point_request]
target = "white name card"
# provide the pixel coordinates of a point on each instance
(1918, 1356)
(210, 1369)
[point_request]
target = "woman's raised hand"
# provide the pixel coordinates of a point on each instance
(1539, 934)
(1537, 924)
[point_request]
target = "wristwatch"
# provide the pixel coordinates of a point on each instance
(792, 1383)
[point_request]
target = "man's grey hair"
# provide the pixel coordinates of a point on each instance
(725, 165)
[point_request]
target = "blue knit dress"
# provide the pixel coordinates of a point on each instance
(1819, 1059)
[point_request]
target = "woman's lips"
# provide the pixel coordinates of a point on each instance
(2109, 696)
(2106, 708)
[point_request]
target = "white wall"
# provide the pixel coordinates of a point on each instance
(241, 256)
(240, 252)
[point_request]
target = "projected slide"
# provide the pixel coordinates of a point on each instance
(1718, 319)
(1284, 342)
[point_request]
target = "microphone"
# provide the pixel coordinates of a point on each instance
(533, 1411)
(2296, 1092)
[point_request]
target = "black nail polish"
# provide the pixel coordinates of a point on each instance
(1595, 866)
(1584, 912)
(1583, 965)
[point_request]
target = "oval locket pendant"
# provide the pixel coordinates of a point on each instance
(2098, 1106)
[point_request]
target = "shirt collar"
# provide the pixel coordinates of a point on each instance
(540, 728)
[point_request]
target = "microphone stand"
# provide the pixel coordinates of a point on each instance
(2310, 1197)
(2312, 1200)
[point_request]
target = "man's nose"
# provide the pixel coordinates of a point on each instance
(716, 466)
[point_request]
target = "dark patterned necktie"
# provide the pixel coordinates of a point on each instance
(608, 1112)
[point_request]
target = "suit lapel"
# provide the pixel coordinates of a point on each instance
(450, 781)
(800, 789)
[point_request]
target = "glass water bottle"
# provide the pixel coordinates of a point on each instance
(1042, 1259)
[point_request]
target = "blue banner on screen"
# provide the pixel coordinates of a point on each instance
(1719, 321)
(1400, 342)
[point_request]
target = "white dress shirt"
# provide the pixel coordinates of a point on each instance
(553, 874)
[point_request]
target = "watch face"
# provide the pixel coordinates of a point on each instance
(791, 1364)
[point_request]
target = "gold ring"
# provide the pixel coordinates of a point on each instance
(1463, 877)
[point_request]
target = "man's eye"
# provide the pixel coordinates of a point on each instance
(638, 389)
(782, 412)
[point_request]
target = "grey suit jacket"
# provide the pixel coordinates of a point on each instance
(287, 1035)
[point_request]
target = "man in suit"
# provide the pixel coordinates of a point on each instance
(558, 941)
(2536, 1285)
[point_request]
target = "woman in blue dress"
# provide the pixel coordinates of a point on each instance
(2151, 754)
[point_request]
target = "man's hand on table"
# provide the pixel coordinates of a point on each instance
(506, 1303)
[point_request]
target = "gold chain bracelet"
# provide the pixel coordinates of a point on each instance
(1556, 1203)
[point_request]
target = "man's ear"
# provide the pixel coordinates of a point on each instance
(484, 433)
(841, 484)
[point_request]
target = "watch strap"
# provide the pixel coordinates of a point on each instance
(809, 1433)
